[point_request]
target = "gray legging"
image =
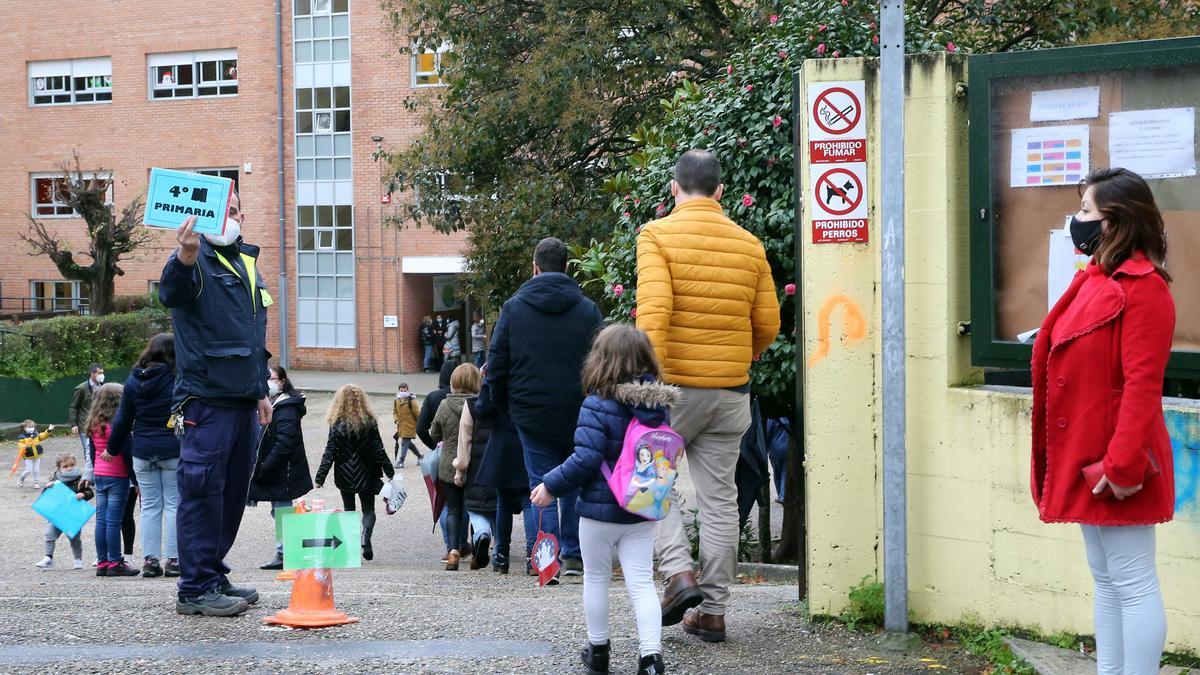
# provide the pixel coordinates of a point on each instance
(1131, 624)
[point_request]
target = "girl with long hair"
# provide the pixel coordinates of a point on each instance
(111, 483)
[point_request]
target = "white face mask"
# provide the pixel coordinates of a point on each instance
(402, 394)
(233, 230)
(100, 378)
(273, 388)
(31, 430)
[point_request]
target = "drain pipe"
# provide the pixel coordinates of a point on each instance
(283, 280)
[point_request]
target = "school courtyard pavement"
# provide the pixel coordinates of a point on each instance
(415, 616)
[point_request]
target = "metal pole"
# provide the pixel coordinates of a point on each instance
(283, 280)
(798, 278)
(895, 526)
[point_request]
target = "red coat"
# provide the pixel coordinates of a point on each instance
(1097, 395)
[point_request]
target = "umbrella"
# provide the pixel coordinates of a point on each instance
(752, 472)
(429, 470)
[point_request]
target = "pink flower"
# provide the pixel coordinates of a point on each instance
(821, 48)
(747, 201)
(821, 28)
(774, 19)
(741, 142)
(729, 69)
(777, 121)
(637, 201)
(836, 53)
(758, 357)
(790, 289)
(875, 39)
(618, 289)
(782, 54)
(660, 209)
(625, 215)
(951, 47)
(749, 87)
(845, 3)
(633, 312)
(811, 38)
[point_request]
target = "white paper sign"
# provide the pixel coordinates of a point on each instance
(1154, 143)
(391, 321)
(1049, 156)
(836, 110)
(1065, 261)
(1064, 104)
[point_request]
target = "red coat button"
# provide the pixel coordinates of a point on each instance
(1062, 423)
(1062, 381)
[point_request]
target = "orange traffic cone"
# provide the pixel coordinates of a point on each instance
(312, 603)
(286, 575)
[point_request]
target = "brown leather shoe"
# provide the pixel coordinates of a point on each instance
(452, 559)
(681, 594)
(710, 627)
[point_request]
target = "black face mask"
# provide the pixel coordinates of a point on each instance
(1086, 234)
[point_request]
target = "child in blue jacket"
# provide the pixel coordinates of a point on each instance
(621, 375)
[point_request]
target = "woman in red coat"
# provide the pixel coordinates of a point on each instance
(1098, 367)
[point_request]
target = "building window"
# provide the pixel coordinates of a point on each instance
(325, 275)
(70, 81)
(323, 134)
(321, 7)
(193, 74)
(46, 189)
(427, 65)
(321, 35)
(58, 296)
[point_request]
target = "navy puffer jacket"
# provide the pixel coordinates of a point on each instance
(599, 436)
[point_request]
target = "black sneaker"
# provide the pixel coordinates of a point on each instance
(483, 549)
(151, 568)
(121, 569)
(102, 568)
(275, 563)
(212, 603)
(651, 664)
(572, 567)
(172, 568)
(595, 658)
(244, 592)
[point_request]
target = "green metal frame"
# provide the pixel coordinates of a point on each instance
(982, 71)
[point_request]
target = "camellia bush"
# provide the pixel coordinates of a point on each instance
(48, 349)
(744, 116)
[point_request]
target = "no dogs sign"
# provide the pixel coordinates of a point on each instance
(837, 143)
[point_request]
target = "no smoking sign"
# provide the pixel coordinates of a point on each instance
(837, 128)
(839, 202)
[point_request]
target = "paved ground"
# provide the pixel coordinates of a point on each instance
(415, 617)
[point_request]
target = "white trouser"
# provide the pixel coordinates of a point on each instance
(33, 467)
(634, 545)
(1131, 624)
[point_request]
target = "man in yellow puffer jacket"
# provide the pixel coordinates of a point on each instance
(706, 298)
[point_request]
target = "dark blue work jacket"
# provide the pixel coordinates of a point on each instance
(220, 325)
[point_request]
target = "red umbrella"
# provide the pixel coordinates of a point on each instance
(429, 467)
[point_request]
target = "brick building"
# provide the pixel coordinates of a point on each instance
(131, 86)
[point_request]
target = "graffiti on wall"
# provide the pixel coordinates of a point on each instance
(854, 326)
(1184, 428)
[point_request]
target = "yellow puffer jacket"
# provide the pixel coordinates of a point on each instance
(705, 296)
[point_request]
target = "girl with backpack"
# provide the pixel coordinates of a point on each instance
(356, 448)
(621, 376)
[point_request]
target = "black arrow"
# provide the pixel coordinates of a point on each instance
(327, 542)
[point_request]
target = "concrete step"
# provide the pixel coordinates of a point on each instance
(1051, 660)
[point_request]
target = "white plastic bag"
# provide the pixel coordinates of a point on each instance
(394, 494)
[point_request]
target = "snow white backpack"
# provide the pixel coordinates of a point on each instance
(642, 478)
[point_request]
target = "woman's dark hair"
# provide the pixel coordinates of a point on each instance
(160, 350)
(620, 354)
(1135, 224)
(285, 382)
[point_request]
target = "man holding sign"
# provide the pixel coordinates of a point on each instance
(218, 306)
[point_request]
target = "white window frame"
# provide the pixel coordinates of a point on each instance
(33, 194)
(69, 70)
(195, 61)
(444, 48)
(76, 300)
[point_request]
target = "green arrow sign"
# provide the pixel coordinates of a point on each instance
(312, 540)
(280, 512)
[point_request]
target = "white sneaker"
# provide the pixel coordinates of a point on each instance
(95, 563)
(37, 485)
(45, 563)
(78, 563)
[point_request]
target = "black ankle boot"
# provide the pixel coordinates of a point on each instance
(651, 665)
(595, 657)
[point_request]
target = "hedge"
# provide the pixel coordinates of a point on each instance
(48, 349)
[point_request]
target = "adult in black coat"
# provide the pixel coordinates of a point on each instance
(538, 347)
(281, 472)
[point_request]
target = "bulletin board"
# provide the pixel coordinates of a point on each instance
(1040, 120)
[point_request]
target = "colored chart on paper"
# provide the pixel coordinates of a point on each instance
(1049, 156)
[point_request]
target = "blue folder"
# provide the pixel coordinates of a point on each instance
(59, 505)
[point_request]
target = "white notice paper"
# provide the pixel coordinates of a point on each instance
(1065, 261)
(1064, 104)
(1154, 143)
(1049, 156)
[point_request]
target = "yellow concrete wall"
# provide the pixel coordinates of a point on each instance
(977, 551)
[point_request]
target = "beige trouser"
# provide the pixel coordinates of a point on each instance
(712, 423)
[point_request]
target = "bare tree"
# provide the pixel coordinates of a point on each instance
(109, 238)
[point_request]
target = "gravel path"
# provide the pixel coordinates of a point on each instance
(415, 617)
